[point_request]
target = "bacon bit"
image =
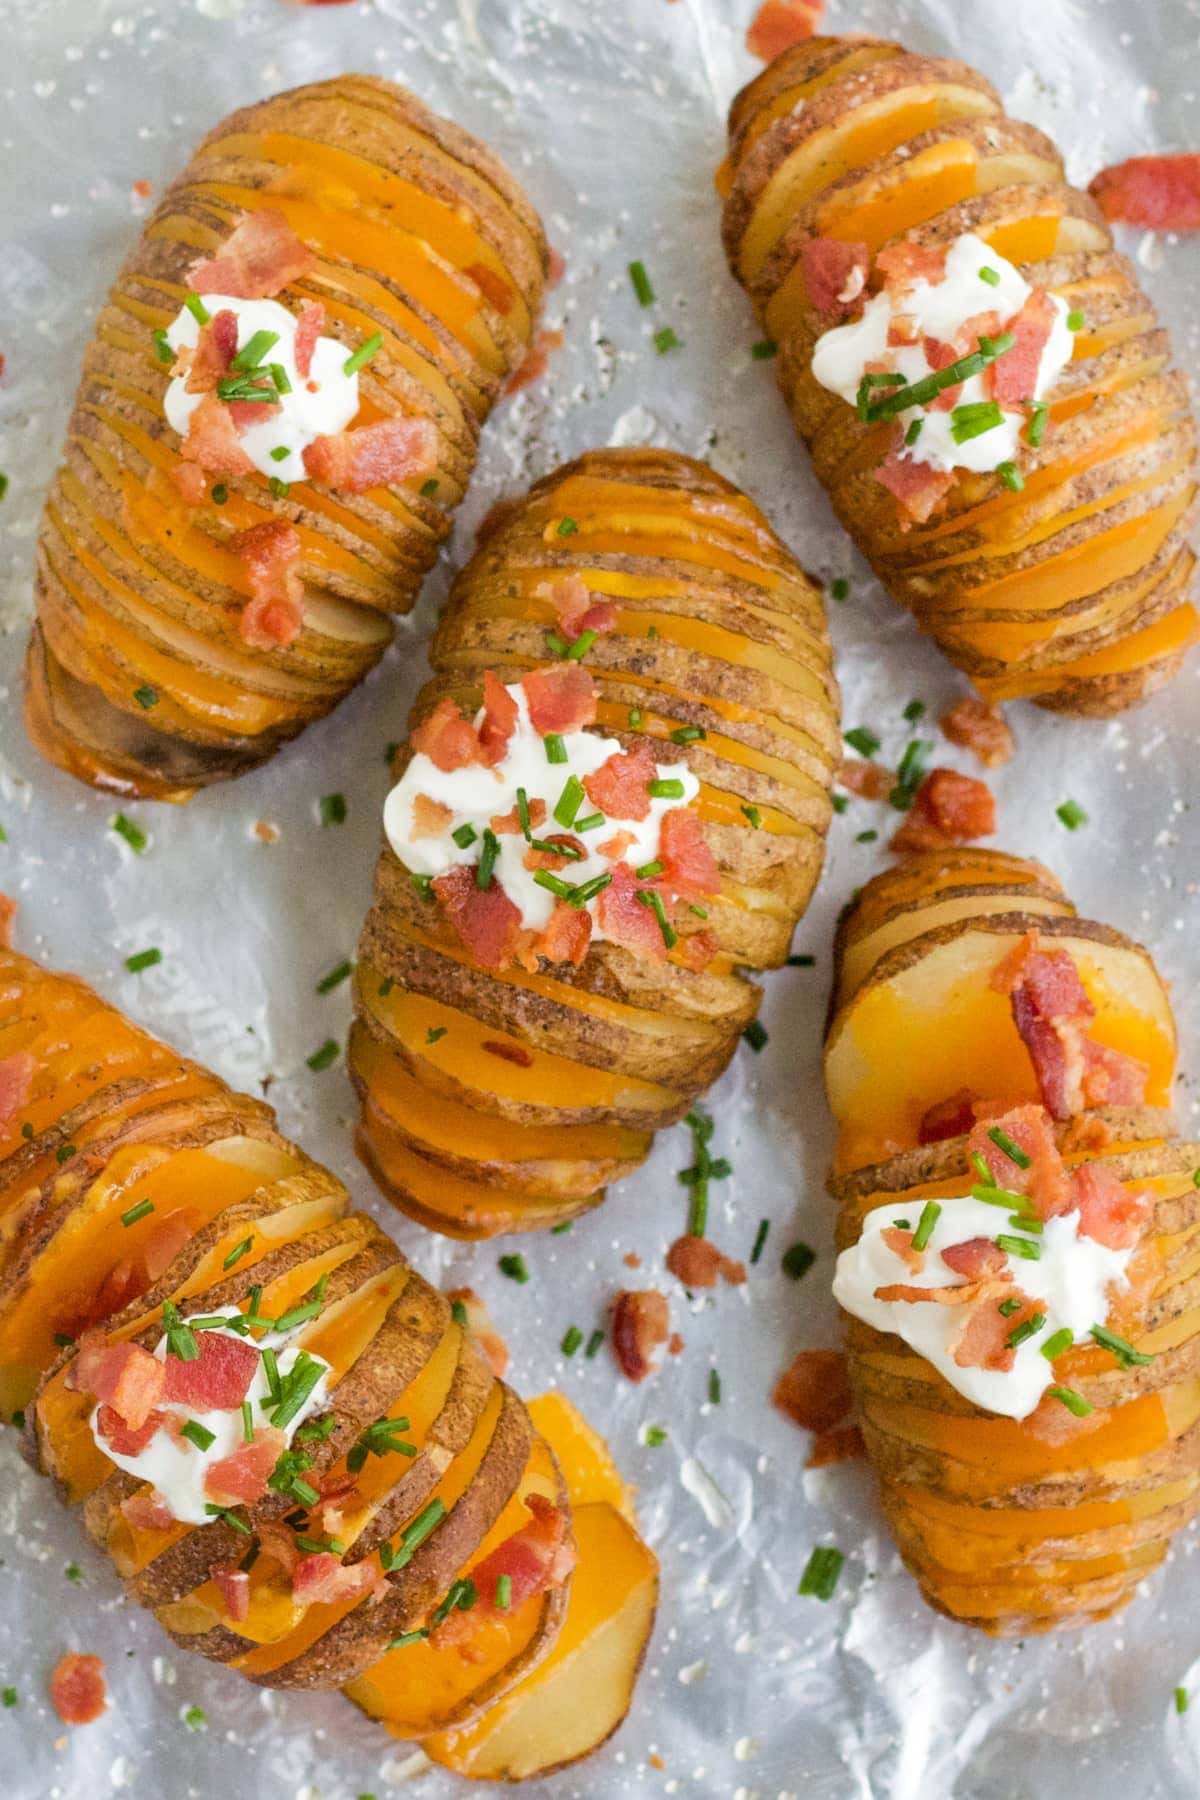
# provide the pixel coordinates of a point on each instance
(966, 1293)
(484, 918)
(310, 323)
(234, 1587)
(616, 846)
(834, 273)
(571, 598)
(655, 1761)
(373, 456)
(902, 329)
(278, 1543)
(950, 1118)
(1110, 1077)
(1045, 1181)
(1053, 1423)
(245, 413)
(982, 728)
(215, 1381)
(535, 1558)
(212, 440)
(904, 264)
(640, 1322)
(982, 1341)
(697, 1263)
(562, 698)
(689, 867)
(8, 912)
(949, 808)
(240, 1478)
(1108, 1211)
(272, 617)
(556, 267)
(918, 488)
(814, 1389)
(675, 1344)
(870, 780)
(77, 1689)
(697, 950)
(123, 1376)
(1052, 1012)
(123, 1438)
(147, 1511)
(479, 1320)
(900, 1243)
(843, 1444)
(495, 290)
(632, 1260)
(259, 258)
(430, 818)
(619, 788)
(215, 350)
(509, 823)
(322, 1578)
(500, 714)
(625, 920)
(513, 1053)
(163, 1244)
(778, 24)
(266, 832)
(142, 189)
(1013, 375)
(554, 860)
(1161, 193)
(16, 1084)
(191, 483)
(975, 1258)
(447, 737)
(566, 935)
(536, 362)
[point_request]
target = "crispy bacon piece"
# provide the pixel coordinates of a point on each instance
(697, 949)
(1045, 1181)
(965, 1293)
(1161, 193)
(698, 1263)
(147, 1510)
(272, 618)
(495, 290)
(976, 726)
(904, 264)
(278, 1543)
(835, 274)
(484, 918)
(1111, 1077)
(215, 1381)
(123, 1376)
(1052, 1012)
(258, 259)
(689, 866)
(447, 737)
(78, 1691)
(430, 818)
(373, 456)
(513, 1053)
(245, 413)
(127, 1440)
(619, 788)
(191, 482)
(510, 822)
(479, 1320)
(240, 1478)
(567, 935)
(572, 600)
(778, 24)
(212, 441)
(870, 780)
(899, 1240)
(640, 1323)
(16, 1084)
(842, 1444)
(625, 920)
(616, 846)
(500, 714)
(554, 860)
(918, 488)
(8, 912)
(561, 698)
(1108, 1211)
(322, 1577)
(814, 1389)
(556, 267)
(974, 1258)
(234, 1587)
(537, 1557)
(1053, 1423)
(215, 350)
(310, 323)
(949, 1118)
(163, 1244)
(1013, 376)
(982, 1341)
(949, 808)
(536, 362)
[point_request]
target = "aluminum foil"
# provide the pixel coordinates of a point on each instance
(613, 116)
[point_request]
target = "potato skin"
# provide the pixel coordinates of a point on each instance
(1074, 591)
(1002, 1528)
(136, 590)
(717, 627)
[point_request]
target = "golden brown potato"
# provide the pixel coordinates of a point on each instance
(503, 1098)
(1069, 586)
(169, 652)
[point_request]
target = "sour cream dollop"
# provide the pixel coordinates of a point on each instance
(843, 355)
(1071, 1279)
(178, 1470)
(475, 795)
(319, 405)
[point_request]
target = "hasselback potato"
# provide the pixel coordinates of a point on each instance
(290, 1445)
(1027, 1386)
(1045, 550)
(223, 544)
(638, 613)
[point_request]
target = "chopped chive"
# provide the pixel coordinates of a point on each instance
(435, 1033)
(665, 339)
(142, 1210)
(523, 812)
(198, 1434)
(861, 739)
(556, 645)
(918, 393)
(503, 1593)
(514, 1266)
(143, 959)
(1026, 1329)
(714, 1387)
(647, 871)
(572, 1338)
(931, 1212)
(866, 837)
(821, 1572)
(424, 887)
(333, 809)
(914, 431)
(756, 1035)
(220, 494)
(162, 349)
(655, 1436)
(1120, 1347)
(991, 276)
(247, 1422)
(688, 734)
(973, 420)
(73, 1572)
(298, 1388)
(8, 1696)
(1011, 476)
(1181, 1700)
(323, 1056)
(487, 859)
(839, 802)
(583, 643)
(416, 1533)
(557, 1230)
(429, 488)
(197, 308)
(335, 977)
(1007, 1308)
(195, 1718)
(146, 697)
(553, 884)
(133, 834)
(464, 836)
(280, 453)
(840, 588)
(62, 1339)
(566, 528)
(1075, 321)
(315, 1431)
(1035, 431)
(668, 789)
(1024, 1221)
(635, 718)
(991, 1195)
(279, 489)
(797, 1261)
(1071, 814)
(181, 1341)
(641, 284)
(556, 750)
(1029, 1248)
(593, 1344)
(1074, 1403)
(569, 801)
(760, 1239)
(1013, 1151)
(764, 350)
(363, 354)
(1056, 1344)
(254, 352)
(248, 388)
(651, 898)
(409, 1637)
(587, 890)
(65, 1152)
(754, 815)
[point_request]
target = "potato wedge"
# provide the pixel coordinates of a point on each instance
(1068, 585)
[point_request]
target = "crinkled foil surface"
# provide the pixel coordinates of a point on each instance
(611, 111)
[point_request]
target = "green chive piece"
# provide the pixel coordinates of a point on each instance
(647, 871)
(931, 1212)
(840, 588)
(409, 1637)
(144, 959)
(197, 308)
(556, 750)
(569, 801)
(237, 1253)
(797, 1261)
(991, 276)
(593, 1344)
(655, 1436)
(280, 453)
(665, 339)
(583, 643)
(146, 697)
(198, 1434)
(688, 734)
(1074, 1403)
(487, 859)
(1007, 1308)
(973, 420)
(1035, 431)
(556, 645)
(803, 961)
(279, 489)
(523, 812)
(333, 809)
(714, 1387)
(821, 1572)
(764, 350)
(641, 284)
(1013, 1151)
(1071, 814)
(322, 1057)
(335, 977)
(1056, 1344)
(162, 349)
(435, 1033)
(861, 739)
(133, 834)
(572, 1338)
(247, 1422)
(1181, 1699)
(142, 1210)
(587, 890)
(914, 431)
(416, 1533)
(1120, 1347)
(1075, 321)
(839, 802)
(514, 1266)
(554, 884)
(464, 836)
(760, 1239)
(1029, 1248)
(1011, 476)
(919, 393)
(503, 1592)
(668, 789)
(635, 718)
(429, 488)
(756, 1035)
(181, 1341)
(363, 354)
(754, 815)
(914, 710)
(254, 352)
(651, 898)
(73, 1572)
(558, 1230)
(65, 1152)
(279, 376)
(866, 837)
(566, 528)
(220, 494)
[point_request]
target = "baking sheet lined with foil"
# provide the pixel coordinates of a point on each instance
(613, 117)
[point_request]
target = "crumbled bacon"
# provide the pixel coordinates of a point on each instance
(616, 846)
(689, 866)
(278, 1543)
(842, 1444)
(509, 823)
(966, 1293)
(919, 488)
(778, 24)
(698, 1263)
(447, 737)
(870, 780)
(557, 859)
(500, 714)
(619, 788)
(215, 1381)
(640, 1323)
(625, 920)
(123, 1376)
(1045, 1181)
(566, 935)
(78, 1690)
(372, 456)
(211, 440)
(240, 1478)
(127, 1440)
(234, 1587)
(697, 949)
(245, 413)
(321, 1578)
(310, 323)
(834, 273)
(949, 1118)
(147, 1510)
(513, 1053)
(975, 1258)
(976, 726)
(1112, 1077)
(572, 600)
(1013, 376)
(16, 1084)
(272, 617)
(430, 818)
(1160, 193)
(484, 918)
(191, 482)
(814, 1389)
(561, 698)
(215, 349)
(982, 1340)
(899, 1240)
(8, 912)
(949, 808)
(258, 259)
(1108, 1211)
(1052, 1012)
(536, 362)
(495, 290)
(906, 263)
(556, 267)
(535, 1558)
(479, 1320)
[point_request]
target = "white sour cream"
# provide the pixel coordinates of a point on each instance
(475, 795)
(178, 1470)
(1071, 1282)
(320, 404)
(841, 355)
